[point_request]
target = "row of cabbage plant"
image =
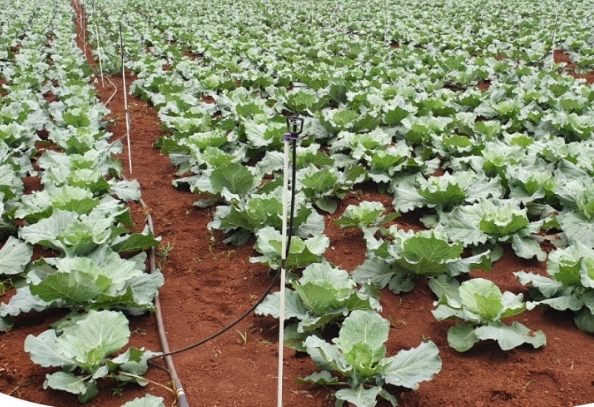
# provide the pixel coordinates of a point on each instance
(53, 134)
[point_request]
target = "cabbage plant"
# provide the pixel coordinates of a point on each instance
(569, 286)
(323, 185)
(365, 215)
(243, 218)
(399, 259)
(82, 350)
(302, 251)
(481, 306)
(146, 401)
(445, 191)
(494, 221)
(101, 280)
(323, 295)
(358, 355)
(577, 217)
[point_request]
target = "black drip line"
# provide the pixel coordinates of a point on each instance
(294, 128)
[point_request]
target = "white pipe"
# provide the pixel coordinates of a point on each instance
(126, 100)
(83, 15)
(554, 39)
(100, 56)
(283, 276)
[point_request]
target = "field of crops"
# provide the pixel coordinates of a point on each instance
(442, 243)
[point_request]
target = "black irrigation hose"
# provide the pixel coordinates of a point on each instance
(166, 354)
(274, 280)
(225, 329)
(180, 395)
(179, 392)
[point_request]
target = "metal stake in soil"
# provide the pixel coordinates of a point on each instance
(294, 128)
(125, 99)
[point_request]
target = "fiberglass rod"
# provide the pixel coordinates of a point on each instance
(283, 275)
(100, 56)
(83, 17)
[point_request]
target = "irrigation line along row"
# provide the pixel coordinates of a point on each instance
(167, 353)
(250, 310)
(295, 127)
(180, 394)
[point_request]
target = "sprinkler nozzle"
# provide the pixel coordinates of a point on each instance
(294, 125)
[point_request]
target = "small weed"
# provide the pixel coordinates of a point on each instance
(6, 371)
(211, 251)
(244, 337)
(144, 379)
(117, 390)
(163, 252)
(6, 284)
(395, 322)
(23, 383)
(265, 342)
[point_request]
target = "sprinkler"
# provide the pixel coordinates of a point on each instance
(294, 129)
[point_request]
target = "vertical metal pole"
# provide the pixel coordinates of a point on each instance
(554, 39)
(100, 55)
(83, 17)
(98, 45)
(283, 276)
(125, 100)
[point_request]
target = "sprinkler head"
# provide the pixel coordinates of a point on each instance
(294, 125)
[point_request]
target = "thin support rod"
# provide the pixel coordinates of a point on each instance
(283, 277)
(554, 37)
(125, 92)
(100, 55)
